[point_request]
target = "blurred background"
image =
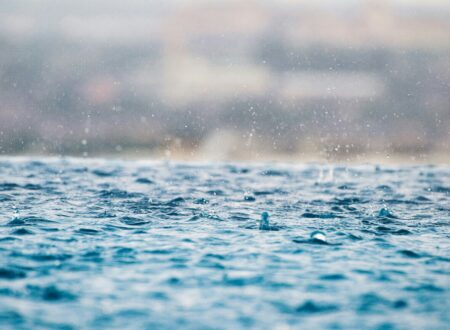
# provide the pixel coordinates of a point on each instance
(226, 80)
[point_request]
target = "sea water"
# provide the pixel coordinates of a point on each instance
(97, 244)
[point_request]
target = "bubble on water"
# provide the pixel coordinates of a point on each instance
(318, 235)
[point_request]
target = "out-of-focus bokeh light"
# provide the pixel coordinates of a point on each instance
(240, 80)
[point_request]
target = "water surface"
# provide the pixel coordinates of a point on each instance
(113, 244)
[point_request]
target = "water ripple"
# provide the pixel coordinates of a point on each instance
(89, 244)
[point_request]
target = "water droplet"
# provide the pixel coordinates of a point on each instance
(318, 235)
(386, 213)
(264, 222)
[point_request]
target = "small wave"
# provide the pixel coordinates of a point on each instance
(320, 215)
(410, 254)
(371, 302)
(104, 173)
(8, 186)
(131, 221)
(28, 221)
(22, 231)
(50, 293)
(274, 173)
(311, 307)
(88, 231)
(11, 273)
(118, 193)
(144, 181)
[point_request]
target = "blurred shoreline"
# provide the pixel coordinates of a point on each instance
(186, 156)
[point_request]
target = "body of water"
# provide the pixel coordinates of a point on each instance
(103, 244)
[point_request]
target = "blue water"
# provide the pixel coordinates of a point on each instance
(113, 245)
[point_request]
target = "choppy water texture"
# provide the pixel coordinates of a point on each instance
(113, 245)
